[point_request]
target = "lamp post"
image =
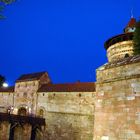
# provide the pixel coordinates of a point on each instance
(5, 85)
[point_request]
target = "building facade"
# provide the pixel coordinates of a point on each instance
(108, 109)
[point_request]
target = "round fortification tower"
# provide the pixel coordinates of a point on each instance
(121, 46)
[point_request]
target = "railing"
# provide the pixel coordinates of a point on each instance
(11, 118)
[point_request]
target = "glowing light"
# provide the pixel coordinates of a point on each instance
(12, 107)
(5, 85)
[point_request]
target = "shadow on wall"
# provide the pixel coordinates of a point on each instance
(63, 126)
(22, 132)
(60, 130)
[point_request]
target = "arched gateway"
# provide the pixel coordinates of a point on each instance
(22, 111)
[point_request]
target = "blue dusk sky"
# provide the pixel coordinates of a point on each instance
(63, 37)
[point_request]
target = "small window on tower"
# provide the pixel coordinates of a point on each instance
(126, 55)
(24, 94)
(80, 95)
(18, 85)
(41, 112)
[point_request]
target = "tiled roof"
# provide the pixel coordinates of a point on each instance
(7, 89)
(31, 76)
(132, 22)
(118, 38)
(69, 87)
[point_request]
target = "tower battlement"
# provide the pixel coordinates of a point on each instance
(121, 46)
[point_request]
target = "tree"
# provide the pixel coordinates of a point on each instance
(3, 3)
(2, 80)
(7, 1)
(136, 39)
(1, 10)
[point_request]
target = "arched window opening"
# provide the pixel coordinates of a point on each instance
(22, 111)
(25, 95)
(126, 55)
(41, 112)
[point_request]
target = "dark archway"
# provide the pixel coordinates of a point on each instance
(41, 113)
(22, 111)
(126, 55)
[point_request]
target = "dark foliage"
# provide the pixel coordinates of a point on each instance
(136, 39)
(1, 10)
(3, 3)
(7, 1)
(2, 80)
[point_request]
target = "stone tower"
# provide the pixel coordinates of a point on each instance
(121, 46)
(117, 108)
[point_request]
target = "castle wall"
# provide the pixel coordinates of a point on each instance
(6, 101)
(117, 107)
(4, 130)
(25, 96)
(22, 132)
(69, 115)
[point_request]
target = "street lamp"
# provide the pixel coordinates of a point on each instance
(5, 85)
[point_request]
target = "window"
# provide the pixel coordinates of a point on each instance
(41, 112)
(18, 85)
(22, 111)
(126, 55)
(24, 94)
(80, 95)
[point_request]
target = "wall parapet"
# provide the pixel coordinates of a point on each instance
(122, 71)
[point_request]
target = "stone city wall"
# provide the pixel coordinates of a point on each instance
(117, 73)
(20, 132)
(6, 101)
(4, 130)
(69, 115)
(117, 107)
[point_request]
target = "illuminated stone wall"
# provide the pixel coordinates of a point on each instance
(6, 101)
(119, 50)
(25, 96)
(4, 130)
(117, 104)
(69, 115)
(22, 132)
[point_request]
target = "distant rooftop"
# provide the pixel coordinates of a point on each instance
(69, 87)
(7, 89)
(30, 77)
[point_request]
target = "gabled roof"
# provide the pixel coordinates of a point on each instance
(68, 87)
(30, 77)
(7, 89)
